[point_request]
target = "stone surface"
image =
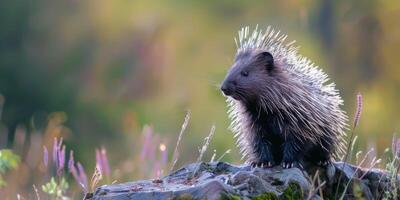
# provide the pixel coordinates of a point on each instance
(219, 180)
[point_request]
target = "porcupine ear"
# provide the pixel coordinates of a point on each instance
(267, 59)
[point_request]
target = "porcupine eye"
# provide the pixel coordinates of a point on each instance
(244, 73)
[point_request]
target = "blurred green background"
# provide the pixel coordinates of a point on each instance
(95, 72)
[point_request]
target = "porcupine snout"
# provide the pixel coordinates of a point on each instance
(228, 87)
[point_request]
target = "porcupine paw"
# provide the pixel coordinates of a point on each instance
(266, 164)
(324, 163)
(286, 164)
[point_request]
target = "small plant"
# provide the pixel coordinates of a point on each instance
(56, 190)
(57, 187)
(316, 185)
(393, 167)
(293, 192)
(350, 146)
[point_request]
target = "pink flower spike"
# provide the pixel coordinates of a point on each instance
(55, 152)
(61, 160)
(105, 164)
(82, 176)
(62, 157)
(45, 156)
(78, 177)
(74, 173)
(99, 160)
(71, 161)
(147, 140)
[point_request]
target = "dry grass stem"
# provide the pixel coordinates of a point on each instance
(36, 192)
(184, 125)
(224, 154)
(96, 177)
(207, 141)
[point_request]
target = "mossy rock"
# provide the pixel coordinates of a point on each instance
(292, 192)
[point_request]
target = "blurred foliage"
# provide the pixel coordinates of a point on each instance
(8, 161)
(96, 71)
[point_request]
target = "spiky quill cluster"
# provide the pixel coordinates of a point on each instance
(306, 97)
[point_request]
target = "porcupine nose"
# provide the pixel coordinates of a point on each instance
(228, 87)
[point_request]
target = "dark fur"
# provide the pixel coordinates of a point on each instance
(271, 145)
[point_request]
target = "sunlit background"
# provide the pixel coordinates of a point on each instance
(121, 75)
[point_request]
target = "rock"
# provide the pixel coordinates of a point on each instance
(219, 180)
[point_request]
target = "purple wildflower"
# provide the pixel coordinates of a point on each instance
(45, 156)
(102, 161)
(105, 164)
(61, 158)
(152, 155)
(98, 160)
(147, 140)
(83, 181)
(73, 171)
(79, 174)
(58, 151)
(71, 161)
(55, 152)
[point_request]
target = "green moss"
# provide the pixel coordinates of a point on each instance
(203, 167)
(292, 192)
(221, 171)
(235, 197)
(357, 191)
(229, 197)
(266, 196)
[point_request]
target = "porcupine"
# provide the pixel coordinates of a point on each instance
(280, 106)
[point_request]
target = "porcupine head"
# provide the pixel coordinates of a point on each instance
(282, 110)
